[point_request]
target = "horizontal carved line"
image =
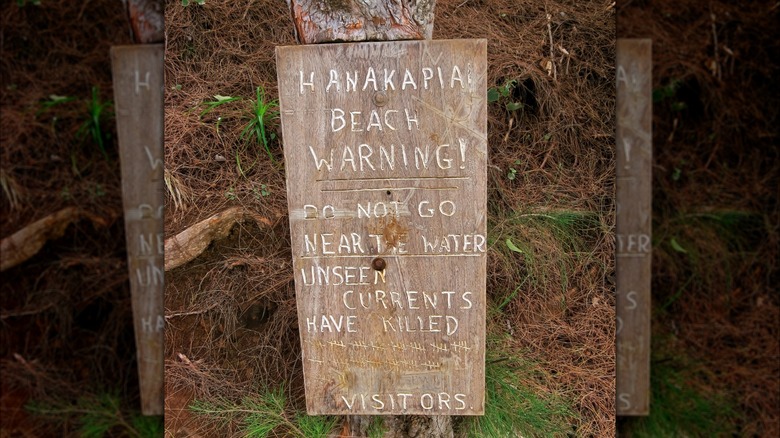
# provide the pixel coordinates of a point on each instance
(381, 189)
(389, 255)
(393, 179)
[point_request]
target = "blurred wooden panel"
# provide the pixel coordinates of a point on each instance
(138, 95)
(634, 224)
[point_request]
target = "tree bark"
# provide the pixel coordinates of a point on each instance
(328, 21)
(146, 20)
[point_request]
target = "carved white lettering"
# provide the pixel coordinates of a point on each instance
(331, 324)
(631, 296)
(633, 243)
(427, 77)
(422, 324)
(446, 208)
(323, 244)
(428, 401)
(455, 243)
(139, 84)
(309, 84)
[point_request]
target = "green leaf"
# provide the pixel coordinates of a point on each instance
(514, 106)
(512, 246)
(677, 246)
(223, 98)
(658, 95)
(492, 95)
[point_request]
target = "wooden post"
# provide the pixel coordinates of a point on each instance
(138, 94)
(634, 225)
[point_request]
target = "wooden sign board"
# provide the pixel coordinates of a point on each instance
(634, 226)
(138, 95)
(386, 150)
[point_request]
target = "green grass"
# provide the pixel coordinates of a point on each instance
(316, 426)
(264, 413)
(262, 112)
(99, 415)
(549, 246)
(97, 113)
(218, 101)
(704, 250)
(678, 408)
(53, 101)
(539, 252)
(512, 405)
(377, 427)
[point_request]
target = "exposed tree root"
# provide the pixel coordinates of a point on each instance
(26, 242)
(191, 242)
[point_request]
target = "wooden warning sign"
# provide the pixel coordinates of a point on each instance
(385, 149)
(634, 226)
(138, 90)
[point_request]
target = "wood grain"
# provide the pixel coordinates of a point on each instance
(190, 243)
(359, 20)
(25, 243)
(138, 93)
(386, 150)
(147, 20)
(634, 225)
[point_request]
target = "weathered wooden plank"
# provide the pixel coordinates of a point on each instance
(318, 21)
(138, 94)
(634, 225)
(386, 155)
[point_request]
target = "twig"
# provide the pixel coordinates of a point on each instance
(194, 312)
(26, 312)
(552, 45)
(715, 42)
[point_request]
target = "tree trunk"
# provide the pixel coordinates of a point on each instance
(146, 20)
(327, 21)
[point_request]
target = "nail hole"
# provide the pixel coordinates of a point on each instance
(378, 264)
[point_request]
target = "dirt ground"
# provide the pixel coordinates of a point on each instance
(67, 350)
